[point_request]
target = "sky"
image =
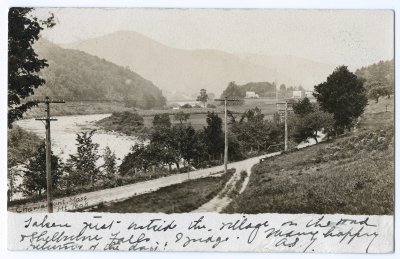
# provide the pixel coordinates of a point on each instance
(352, 37)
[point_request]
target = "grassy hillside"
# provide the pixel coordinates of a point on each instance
(75, 76)
(353, 174)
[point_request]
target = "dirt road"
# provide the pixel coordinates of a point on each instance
(219, 202)
(124, 192)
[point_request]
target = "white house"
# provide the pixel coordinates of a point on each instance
(250, 94)
(308, 94)
(297, 94)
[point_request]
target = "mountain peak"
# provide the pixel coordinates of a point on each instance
(188, 71)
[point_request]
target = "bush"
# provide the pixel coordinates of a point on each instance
(186, 106)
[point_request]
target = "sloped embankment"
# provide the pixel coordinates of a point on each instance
(353, 174)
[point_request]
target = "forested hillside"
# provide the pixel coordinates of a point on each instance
(263, 89)
(76, 75)
(379, 78)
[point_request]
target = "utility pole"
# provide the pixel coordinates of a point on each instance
(49, 178)
(285, 110)
(226, 100)
(286, 132)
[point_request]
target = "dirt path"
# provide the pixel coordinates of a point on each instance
(219, 202)
(124, 192)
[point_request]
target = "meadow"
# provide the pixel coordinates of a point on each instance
(352, 174)
(197, 115)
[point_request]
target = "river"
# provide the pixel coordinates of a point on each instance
(64, 130)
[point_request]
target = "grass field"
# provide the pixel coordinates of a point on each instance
(177, 198)
(353, 174)
(197, 115)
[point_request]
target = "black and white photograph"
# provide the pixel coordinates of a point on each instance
(234, 113)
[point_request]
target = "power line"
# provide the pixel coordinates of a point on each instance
(49, 178)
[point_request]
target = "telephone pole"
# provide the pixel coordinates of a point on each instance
(49, 181)
(226, 100)
(285, 110)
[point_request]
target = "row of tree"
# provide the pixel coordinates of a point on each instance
(180, 144)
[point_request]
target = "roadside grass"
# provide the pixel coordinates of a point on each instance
(353, 174)
(177, 198)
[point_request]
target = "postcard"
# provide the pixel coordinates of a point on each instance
(229, 130)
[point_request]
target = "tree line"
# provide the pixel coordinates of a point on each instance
(168, 148)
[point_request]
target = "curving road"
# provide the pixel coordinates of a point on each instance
(124, 192)
(219, 202)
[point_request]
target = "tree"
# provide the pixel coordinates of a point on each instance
(132, 161)
(181, 117)
(82, 167)
(110, 165)
(141, 157)
(233, 91)
(23, 62)
(187, 106)
(343, 95)
(252, 132)
(253, 115)
(303, 107)
(188, 143)
(21, 144)
(235, 149)
(34, 178)
(203, 97)
(377, 92)
(378, 75)
(162, 120)
(165, 142)
(213, 135)
(309, 125)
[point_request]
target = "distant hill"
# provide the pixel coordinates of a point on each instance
(76, 75)
(304, 72)
(378, 75)
(181, 72)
